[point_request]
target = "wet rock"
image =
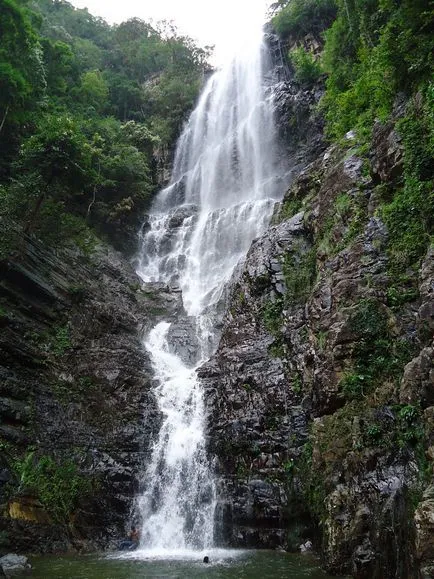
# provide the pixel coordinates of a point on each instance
(424, 523)
(183, 340)
(14, 563)
(418, 380)
(75, 379)
(426, 310)
(306, 547)
(387, 153)
(276, 386)
(249, 396)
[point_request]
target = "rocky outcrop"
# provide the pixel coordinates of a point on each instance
(320, 393)
(249, 396)
(300, 124)
(13, 564)
(74, 390)
(424, 522)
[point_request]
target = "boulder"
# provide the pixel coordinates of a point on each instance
(12, 563)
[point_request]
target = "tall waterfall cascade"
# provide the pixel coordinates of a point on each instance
(224, 185)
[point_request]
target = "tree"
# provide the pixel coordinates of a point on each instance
(60, 66)
(93, 90)
(22, 79)
(55, 162)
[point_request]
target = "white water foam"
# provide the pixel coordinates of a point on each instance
(214, 555)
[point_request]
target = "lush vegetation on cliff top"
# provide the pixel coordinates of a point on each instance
(86, 109)
(377, 60)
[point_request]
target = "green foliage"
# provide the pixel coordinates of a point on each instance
(57, 483)
(343, 205)
(76, 390)
(398, 296)
(401, 427)
(62, 340)
(299, 270)
(314, 491)
(93, 90)
(377, 355)
(8, 233)
(409, 214)
(369, 320)
(297, 384)
(408, 414)
(271, 314)
(56, 153)
(300, 17)
(374, 432)
(22, 78)
(355, 385)
(289, 208)
(83, 109)
(277, 349)
(322, 340)
(341, 224)
(300, 273)
(288, 466)
(59, 65)
(373, 50)
(307, 68)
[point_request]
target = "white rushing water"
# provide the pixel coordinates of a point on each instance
(220, 198)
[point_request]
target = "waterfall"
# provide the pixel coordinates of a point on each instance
(221, 196)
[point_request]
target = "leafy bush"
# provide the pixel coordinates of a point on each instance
(299, 273)
(307, 69)
(62, 340)
(377, 355)
(83, 108)
(299, 17)
(58, 484)
(271, 313)
(359, 93)
(373, 50)
(410, 214)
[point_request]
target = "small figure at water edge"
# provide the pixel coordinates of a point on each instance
(206, 559)
(132, 542)
(306, 547)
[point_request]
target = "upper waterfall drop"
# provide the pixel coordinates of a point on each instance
(224, 185)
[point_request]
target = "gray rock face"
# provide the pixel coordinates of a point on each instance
(14, 563)
(75, 382)
(183, 340)
(311, 428)
(424, 522)
(253, 407)
(388, 157)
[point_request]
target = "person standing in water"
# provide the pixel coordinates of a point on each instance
(132, 542)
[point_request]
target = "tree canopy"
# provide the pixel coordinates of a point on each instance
(83, 108)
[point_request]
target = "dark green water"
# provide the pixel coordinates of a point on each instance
(223, 565)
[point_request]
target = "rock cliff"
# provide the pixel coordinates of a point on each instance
(321, 392)
(76, 410)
